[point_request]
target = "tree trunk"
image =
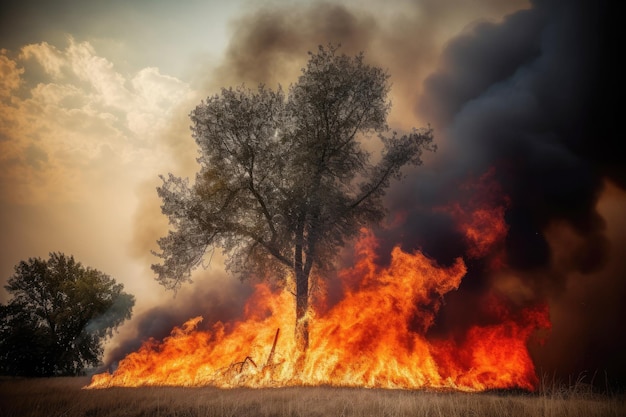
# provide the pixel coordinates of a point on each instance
(302, 287)
(302, 307)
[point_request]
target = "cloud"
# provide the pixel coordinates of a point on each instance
(76, 110)
(49, 57)
(10, 75)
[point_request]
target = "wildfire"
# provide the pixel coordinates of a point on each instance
(376, 336)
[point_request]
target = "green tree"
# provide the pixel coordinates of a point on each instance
(284, 180)
(59, 315)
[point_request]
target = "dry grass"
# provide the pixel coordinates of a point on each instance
(64, 397)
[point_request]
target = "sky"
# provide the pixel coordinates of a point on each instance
(94, 104)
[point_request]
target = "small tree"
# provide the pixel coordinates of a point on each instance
(283, 180)
(58, 317)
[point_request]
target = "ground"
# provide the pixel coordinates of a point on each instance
(66, 397)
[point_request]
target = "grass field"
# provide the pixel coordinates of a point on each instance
(65, 397)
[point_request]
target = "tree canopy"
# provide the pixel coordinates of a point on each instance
(284, 180)
(59, 315)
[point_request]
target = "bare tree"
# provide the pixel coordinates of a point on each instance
(284, 180)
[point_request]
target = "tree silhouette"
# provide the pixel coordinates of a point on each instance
(283, 179)
(58, 317)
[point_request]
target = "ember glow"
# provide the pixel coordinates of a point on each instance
(375, 336)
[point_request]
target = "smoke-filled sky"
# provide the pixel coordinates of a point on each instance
(94, 104)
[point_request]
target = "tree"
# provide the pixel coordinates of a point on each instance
(58, 317)
(284, 180)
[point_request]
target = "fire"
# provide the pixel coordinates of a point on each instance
(494, 356)
(376, 336)
(481, 219)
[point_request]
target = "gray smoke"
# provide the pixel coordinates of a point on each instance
(212, 295)
(528, 98)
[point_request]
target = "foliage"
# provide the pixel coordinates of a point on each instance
(58, 317)
(284, 180)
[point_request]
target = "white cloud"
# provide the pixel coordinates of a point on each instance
(49, 57)
(9, 75)
(157, 96)
(77, 107)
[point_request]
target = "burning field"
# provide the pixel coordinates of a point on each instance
(378, 334)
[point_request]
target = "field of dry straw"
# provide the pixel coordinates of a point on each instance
(65, 397)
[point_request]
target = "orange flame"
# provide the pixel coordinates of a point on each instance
(481, 218)
(376, 336)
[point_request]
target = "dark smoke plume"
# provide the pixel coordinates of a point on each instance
(527, 97)
(522, 97)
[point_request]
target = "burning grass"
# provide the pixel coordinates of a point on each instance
(65, 397)
(376, 334)
(375, 337)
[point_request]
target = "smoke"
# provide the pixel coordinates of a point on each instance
(525, 97)
(516, 96)
(214, 295)
(268, 45)
(590, 312)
